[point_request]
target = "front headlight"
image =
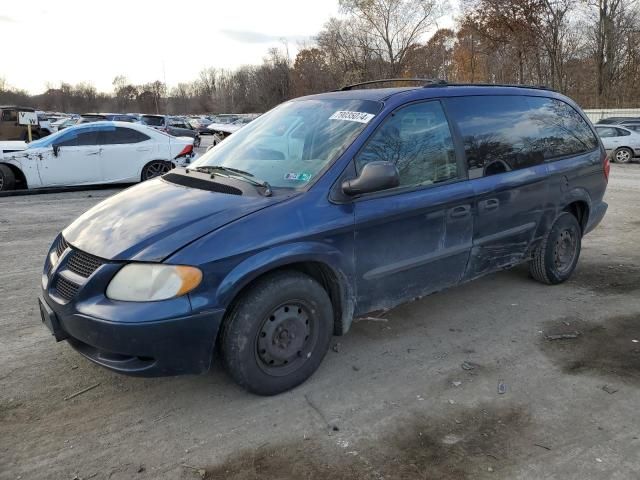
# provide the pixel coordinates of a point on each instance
(145, 282)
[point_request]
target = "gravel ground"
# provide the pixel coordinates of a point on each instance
(413, 395)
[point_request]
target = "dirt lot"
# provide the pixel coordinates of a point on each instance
(413, 396)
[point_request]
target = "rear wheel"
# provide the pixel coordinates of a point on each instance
(278, 333)
(155, 169)
(7, 179)
(623, 155)
(557, 256)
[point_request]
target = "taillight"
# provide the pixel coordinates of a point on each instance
(187, 150)
(606, 166)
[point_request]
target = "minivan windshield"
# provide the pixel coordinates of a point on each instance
(294, 142)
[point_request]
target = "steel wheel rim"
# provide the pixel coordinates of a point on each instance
(622, 156)
(565, 250)
(286, 338)
(155, 169)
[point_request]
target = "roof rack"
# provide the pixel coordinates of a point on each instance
(427, 81)
(516, 85)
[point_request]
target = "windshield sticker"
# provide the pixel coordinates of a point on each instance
(301, 177)
(360, 117)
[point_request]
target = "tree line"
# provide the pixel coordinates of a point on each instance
(587, 49)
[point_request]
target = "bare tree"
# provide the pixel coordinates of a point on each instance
(393, 25)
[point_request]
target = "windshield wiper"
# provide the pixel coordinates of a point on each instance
(236, 173)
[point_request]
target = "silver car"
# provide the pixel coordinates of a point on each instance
(622, 144)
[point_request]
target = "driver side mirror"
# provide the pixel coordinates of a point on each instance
(375, 176)
(56, 149)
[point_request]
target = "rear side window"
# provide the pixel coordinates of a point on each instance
(122, 135)
(506, 133)
(606, 132)
(153, 121)
(9, 116)
(622, 133)
(562, 130)
(418, 141)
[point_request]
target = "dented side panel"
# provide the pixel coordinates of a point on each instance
(507, 208)
(409, 244)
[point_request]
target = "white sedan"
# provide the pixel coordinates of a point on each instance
(95, 153)
(620, 142)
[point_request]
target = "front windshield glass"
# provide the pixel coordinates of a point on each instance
(292, 143)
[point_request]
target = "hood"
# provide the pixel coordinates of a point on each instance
(152, 220)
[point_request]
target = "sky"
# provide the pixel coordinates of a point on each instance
(95, 40)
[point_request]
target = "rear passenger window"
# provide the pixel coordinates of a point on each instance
(9, 116)
(562, 130)
(606, 132)
(622, 133)
(506, 133)
(418, 141)
(121, 135)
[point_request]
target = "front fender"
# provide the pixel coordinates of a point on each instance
(282, 255)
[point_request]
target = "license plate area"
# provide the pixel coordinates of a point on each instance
(49, 318)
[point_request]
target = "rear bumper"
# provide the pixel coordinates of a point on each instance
(595, 216)
(182, 345)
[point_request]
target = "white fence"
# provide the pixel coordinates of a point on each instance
(596, 114)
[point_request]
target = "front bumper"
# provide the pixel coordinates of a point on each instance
(175, 346)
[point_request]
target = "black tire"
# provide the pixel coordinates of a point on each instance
(155, 169)
(7, 179)
(278, 333)
(555, 259)
(622, 155)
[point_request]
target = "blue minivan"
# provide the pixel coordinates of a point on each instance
(326, 208)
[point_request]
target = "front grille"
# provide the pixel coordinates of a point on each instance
(84, 264)
(61, 246)
(66, 289)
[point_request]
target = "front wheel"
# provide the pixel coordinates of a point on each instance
(7, 179)
(623, 155)
(278, 333)
(155, 169)
(555, 259)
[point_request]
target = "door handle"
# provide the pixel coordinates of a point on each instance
(490, 204)
(94, 153)
(460, 211)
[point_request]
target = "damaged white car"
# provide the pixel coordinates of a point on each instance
(94, 153)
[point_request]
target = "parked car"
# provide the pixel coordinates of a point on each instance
(635, 126)
(222, 131)
(324, 209)
(94, 153)
(10, 129)
(172, 126)
(114, 117)
(74, 121)
(200, 125)
(623, 144)
(617, 120)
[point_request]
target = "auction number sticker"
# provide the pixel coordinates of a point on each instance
(360, 117)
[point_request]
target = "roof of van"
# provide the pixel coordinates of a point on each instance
(439, 90)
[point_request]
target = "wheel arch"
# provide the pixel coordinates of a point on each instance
(21, 179)
(579, 209)
(321, 266)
